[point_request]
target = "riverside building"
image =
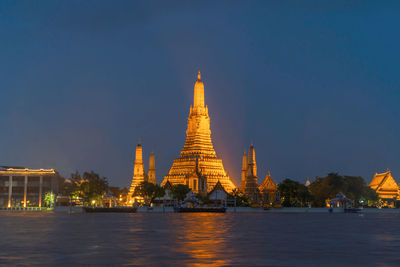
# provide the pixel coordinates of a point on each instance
(386, 187)
(23, 187)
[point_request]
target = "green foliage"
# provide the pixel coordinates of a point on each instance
(241, 199)
(370, 194)
(354, 188)
(149, 191)
(93, 186)
(179, 191)
(49, 199)
(67, 187)
(90, 186)
(115, 191)
(324, 188)
(204, 199)
(294, 194)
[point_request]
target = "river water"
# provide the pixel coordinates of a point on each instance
(172, 239)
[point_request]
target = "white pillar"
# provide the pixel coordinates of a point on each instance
(25, 189)
(10, 181)
(40, 190)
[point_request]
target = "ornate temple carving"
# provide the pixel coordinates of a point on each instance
(198, 157)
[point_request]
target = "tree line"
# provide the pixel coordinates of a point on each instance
(294, 194)
(90, 186)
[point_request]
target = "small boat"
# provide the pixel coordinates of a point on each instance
(200, 209)
(116, 209)
(352, 210)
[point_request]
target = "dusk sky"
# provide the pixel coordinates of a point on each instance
(315, 85)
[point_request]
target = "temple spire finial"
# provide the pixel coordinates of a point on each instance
(198, 99)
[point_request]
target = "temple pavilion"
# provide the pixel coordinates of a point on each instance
(385, 186)
(268, 189)
(198, 165)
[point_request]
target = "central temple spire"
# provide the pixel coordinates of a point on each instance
(198, 151)
(198, 99)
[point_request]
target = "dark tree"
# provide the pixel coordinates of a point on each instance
(204, 199)
(91, 186)
(241, 199)
(67, 187)
(148, 191)
(180, 191)
(115, 191)
(294, 194)
(352, 187)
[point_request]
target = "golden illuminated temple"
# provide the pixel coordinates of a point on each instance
(139, 173)
(198, 165)
(385, 186)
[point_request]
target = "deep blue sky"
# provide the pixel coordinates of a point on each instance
(314, 84)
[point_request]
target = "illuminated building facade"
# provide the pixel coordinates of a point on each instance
(385, 186)
(198, 162)
(22, 187)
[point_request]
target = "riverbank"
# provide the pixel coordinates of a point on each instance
(229, 210)
(275, 210)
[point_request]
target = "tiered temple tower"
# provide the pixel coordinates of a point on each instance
(244, 171)
(151, 174)
(198, 147)
(251, 184)
(138, 169)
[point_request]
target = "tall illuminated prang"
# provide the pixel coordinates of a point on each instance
(139, 174)
(198, 165)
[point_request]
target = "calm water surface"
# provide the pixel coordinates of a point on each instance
(255, 239)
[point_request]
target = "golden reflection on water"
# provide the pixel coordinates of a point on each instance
(203, 239)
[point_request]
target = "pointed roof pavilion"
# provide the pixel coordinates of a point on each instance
(218, 187)
(167, 185)
(268, 184)
(385, 185)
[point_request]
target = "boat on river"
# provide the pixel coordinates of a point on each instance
(200, 209)
(114, 209)
(352, 210)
